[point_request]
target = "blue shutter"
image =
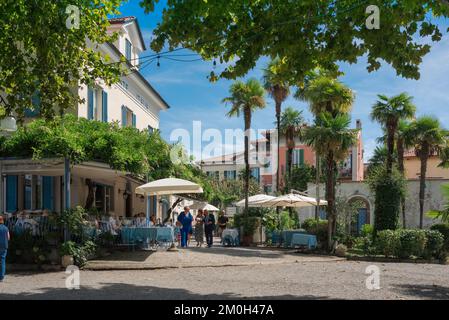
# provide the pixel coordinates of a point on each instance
(90, 104)
(124, 113)
(47, 193)
(104, 107)
(11, 193)
(134, 120)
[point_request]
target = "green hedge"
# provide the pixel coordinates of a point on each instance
(443, 228)
(405, 243)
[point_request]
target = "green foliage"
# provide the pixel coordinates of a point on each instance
(249, 223)
(73, 220)
(388, 190)
(240, 33)
(24, 248)
(38, 53)
(318, 228)
(443, 228)
(300, 177)
(443, 215)
(412, 243)
(367, 230)
(434, 244)
(80, 252)
(388, 242)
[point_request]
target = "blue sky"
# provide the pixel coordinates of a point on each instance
(193, 98)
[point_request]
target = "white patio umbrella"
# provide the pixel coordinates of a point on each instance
(166, 187)
(293, 200)
(169, 186)
(203, 206)
(255, 201)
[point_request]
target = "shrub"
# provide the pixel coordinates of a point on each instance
(434, 244)
(388, 190)
(412, 243)
(387, 242)
(341, 250)
(248, 223)
(80, 252)
(443, 228)
(367, 231)
(318, 228)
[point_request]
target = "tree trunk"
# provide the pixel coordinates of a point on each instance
(278, 127)
(330, 197)
(400, 148)
(317, 185)
(247, 116)
(391, 128)
(289, 168)
(422, 183)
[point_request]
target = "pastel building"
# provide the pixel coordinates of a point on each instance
(27, 184)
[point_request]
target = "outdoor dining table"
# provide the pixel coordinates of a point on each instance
(231, 235)
(287, 235)
(147, 234)
(301, 239)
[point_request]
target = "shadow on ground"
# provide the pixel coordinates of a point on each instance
(119, 291)
(423, 291)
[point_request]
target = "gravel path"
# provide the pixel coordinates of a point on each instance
(301, 280)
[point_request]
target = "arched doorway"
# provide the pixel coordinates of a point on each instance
(362, 208)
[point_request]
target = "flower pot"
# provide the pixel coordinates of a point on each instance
(67, 261)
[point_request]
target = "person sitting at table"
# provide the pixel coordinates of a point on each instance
(153, 220)
(185, 218)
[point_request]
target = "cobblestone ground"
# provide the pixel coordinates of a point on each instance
(290, 280)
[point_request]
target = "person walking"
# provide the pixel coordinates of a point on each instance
(4, 239)
(199, 228)
(185, 219)
(209, 227)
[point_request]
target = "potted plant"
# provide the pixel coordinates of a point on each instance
(67, 252)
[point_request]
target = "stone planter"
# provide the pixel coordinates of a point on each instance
(67, 261)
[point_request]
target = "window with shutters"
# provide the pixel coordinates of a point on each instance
(128, 50)
(129, 119)
(97, 104)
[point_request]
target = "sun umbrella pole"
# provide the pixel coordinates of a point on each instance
(148, 208)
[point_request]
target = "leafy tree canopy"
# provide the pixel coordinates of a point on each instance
(43, 59)
(304, 34)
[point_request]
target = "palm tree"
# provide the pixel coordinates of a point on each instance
(332, 139)
(388, 111)
(401, 146)
(278, 88)
(428, 138)
(292, 123)
(245, 98)
(324, 93)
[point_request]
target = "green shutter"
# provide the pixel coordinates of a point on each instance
(301, 157)
(48, 193)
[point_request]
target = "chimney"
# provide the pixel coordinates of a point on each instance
(358, 124)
